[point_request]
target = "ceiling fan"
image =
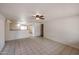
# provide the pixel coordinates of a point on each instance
(38, 16)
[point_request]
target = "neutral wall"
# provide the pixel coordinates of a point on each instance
(7, 31)
(36, 30)
(19, 34)
(13, 35)
(62, 25)
(2, 32)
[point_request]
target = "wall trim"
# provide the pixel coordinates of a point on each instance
(62, 42)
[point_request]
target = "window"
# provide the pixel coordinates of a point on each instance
(15, 27)
(23, 27)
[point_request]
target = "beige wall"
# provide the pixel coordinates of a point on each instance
(17, 34)
(2, 32)
(7, 31)
(36, 31)
(62, 24)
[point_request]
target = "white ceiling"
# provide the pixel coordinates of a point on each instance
(24, 11)
(20, 11)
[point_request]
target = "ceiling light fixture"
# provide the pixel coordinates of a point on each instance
(38, 16)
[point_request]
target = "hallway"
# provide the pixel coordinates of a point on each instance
(37, 46)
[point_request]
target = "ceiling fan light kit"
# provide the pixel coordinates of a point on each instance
(38, 16)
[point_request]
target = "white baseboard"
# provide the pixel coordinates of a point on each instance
(62, 42)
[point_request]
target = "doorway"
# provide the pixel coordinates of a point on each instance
(42, 30)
